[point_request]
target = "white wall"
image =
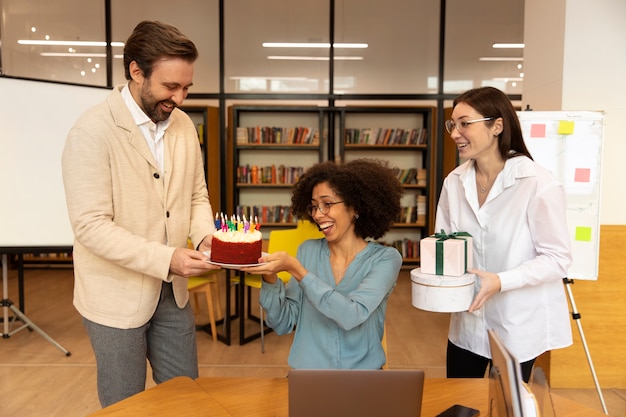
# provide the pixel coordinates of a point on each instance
(593, 62)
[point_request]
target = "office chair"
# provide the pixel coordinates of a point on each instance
(207, 284)
(204, 284)
(286, 240)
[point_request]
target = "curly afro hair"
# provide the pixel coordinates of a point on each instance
(369, 186)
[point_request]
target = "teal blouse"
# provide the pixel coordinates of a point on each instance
(337, 326)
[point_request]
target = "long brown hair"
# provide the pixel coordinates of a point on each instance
(491, 102)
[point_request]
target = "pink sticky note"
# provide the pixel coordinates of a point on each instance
(582, 175)
(538, 131)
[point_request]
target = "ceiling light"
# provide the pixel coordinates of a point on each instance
(66, 43)
(78, 55)
(507, 79)
(508, 45)
(314, 45)
(500, 58)
(315, 58)
(269, 78)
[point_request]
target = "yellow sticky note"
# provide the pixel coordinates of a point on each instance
(566, 127)
(583, 233)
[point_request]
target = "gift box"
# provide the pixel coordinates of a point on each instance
(441, 294)
(442, 254)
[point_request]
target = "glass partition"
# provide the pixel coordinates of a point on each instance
(61, 40)
(389, 47)
(276, 46)
(471, 60)
(197, 19)
(399, 46)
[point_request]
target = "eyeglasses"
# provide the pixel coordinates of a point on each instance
(323, 208)
(461, 125)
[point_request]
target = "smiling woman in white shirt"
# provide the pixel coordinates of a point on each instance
(515, 211)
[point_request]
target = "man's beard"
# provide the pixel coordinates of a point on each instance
(152, 107)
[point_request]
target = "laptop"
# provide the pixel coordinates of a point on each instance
(358, 393)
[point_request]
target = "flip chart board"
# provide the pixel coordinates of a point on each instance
(570, 145)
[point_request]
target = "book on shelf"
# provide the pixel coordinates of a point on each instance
(380, 136)
(406, 176)
(421, 177)
(267, 214)
(277, 135)
(408, 248)
(421, 208)
(270, 174)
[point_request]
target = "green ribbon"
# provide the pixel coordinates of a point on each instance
(441, 238)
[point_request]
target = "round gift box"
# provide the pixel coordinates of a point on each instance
(441, 293)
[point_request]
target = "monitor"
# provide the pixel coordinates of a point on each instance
(508, 394)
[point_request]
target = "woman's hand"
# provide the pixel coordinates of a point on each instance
(276, 262)
(489, 285)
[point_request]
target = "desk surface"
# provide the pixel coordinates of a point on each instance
(262, 397)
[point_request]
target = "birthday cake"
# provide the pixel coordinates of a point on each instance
(236, 245)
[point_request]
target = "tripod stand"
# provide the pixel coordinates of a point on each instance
(576, 317)
(8, 305)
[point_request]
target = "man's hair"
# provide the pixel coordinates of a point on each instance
(152, 41)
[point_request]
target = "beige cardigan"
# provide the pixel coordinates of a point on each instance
(128, 218)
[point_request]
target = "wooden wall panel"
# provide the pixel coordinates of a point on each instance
(602, 305)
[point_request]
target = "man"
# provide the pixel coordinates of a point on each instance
(135, 191)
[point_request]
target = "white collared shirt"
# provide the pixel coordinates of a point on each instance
(521, 234)
(153, 132)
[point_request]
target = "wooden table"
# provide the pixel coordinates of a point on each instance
(261, 397)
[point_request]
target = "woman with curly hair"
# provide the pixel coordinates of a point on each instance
(337, 296)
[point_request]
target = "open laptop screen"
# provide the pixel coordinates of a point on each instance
(362, 393)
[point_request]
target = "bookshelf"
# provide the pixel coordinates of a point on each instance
(404, 137)
(268, 148)
(206, 119)
(258, 155)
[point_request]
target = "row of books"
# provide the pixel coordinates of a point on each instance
(412, 214)
(267, 214)
(411, 176)
(382, 136)
(408, 248)
(277, 135)
(272, 174)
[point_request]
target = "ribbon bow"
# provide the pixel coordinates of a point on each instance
(441, 238)
(454, 235)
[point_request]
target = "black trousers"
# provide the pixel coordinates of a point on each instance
(461, 363)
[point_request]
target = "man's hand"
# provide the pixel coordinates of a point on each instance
(189, 262)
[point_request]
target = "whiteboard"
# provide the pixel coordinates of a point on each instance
(35, 118)
(570, 145)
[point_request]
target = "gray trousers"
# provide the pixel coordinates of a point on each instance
(167, 341)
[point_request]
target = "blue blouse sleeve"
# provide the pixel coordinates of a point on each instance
(367, 283)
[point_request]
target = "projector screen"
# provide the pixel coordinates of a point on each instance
(35, 118)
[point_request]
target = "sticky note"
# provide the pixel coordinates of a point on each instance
(538, 131)
(583, 233)
(582, 175)
(566, 127)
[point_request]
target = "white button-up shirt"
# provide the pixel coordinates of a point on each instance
(520, 233)
(153, 132)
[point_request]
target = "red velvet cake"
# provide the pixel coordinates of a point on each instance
(236, 247)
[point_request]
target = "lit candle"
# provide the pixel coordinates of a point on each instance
(218, 223)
